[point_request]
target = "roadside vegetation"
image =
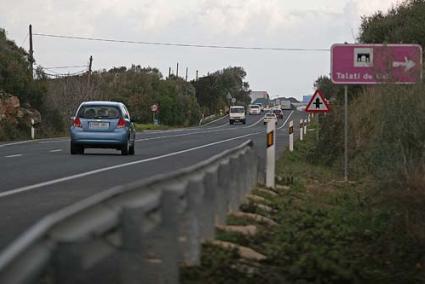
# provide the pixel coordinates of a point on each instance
(326, 231)
(369, 230)
(181, 103)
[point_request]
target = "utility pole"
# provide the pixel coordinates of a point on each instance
(31, 51)
(89, 74)
(169, 72)
(177, 70)
(187, 70)
(196, 75)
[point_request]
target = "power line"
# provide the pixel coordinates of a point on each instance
(63, 67)
(183, 44)
(25, 39)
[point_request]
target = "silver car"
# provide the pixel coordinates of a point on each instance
(102, 124)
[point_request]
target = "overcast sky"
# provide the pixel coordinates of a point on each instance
(257, 23)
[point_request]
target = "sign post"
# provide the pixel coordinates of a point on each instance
(271, 153)
(371, 64)
(291, 136)
(154, 109)
(305, 126)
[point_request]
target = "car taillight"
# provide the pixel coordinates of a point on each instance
(121, 123)
(77, 122)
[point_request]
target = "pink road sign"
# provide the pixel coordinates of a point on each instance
(358, 64)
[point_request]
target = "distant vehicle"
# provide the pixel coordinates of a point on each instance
(237, 114)
(102, 124)
(269, 116)
(260, 105)
(278, 113)
(285, 104)
(266, 108)
(254, 109)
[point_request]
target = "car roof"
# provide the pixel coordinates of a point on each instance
(112, 103)
(237, 106)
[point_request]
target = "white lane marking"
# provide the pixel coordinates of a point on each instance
(199, 132)
(29, 141)
(81, 175)
(286, 121)
(56, 150)
(13, 156)
(54, 141)
(215, 120)
(184, 129)
(254, 124)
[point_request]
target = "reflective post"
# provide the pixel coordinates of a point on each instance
(271, 156)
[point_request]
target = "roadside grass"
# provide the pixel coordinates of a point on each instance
(328, 231)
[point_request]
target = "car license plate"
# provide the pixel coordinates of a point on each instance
(98, 125)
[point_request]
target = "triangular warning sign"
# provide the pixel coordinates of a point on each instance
(317, 103)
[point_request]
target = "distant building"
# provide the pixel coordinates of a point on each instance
(255, 95)
(262, 101)
(306, 99)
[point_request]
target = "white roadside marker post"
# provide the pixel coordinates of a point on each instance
(301, 130)
(271, 153)
(32, 129)
(305, 126)
(291, 136)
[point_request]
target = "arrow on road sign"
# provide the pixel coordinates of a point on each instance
(407, 64)
(317, 103)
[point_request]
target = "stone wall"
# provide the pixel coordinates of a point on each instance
(12, 112)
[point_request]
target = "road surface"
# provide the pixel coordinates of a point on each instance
(40, 177)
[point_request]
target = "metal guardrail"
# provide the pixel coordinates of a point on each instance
(136, 233)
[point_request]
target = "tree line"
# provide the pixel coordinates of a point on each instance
(181, 103)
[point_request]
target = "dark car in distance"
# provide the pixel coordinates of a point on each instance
(278, 113)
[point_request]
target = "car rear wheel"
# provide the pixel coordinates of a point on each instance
(125, 149)
(76, 149)
(131, 150)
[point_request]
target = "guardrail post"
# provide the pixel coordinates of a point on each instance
(133, 254)
(195, 191)
(254, 168)
(162, 253)
(245, 175)
(305, 126)
(67, 263)
(223, 192)
(233, 185)
(211, 185)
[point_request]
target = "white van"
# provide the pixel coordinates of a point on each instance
(237, 114)
(254, 109)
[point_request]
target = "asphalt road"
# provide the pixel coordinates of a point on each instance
(40, 177)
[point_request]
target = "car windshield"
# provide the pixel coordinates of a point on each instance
(269, 114)
(237, 110)
(99, 111)
(257, 107)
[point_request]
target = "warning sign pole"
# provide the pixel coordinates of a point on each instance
(346, 133)
(271, 153)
